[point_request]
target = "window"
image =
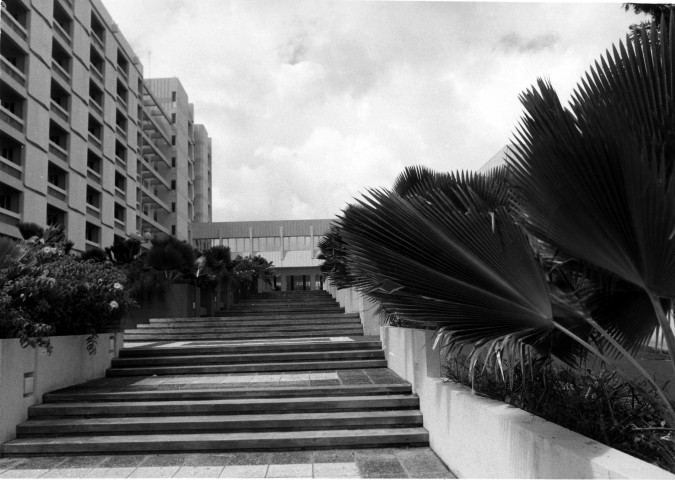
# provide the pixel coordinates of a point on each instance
(120, 212)
(173, 118)
(91, 232)
(173, 140)
(173, 97)
(93, 162)
(120, 181)
(55, 216)
(58, 136)
(173, 206)
(56, 176)
(173, 230)
(93, 197)
(173, 184)
(97, 28)
(173, 162)
(9, 198)
(120, 151)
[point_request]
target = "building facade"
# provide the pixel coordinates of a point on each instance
(290, 245)
(85, 142)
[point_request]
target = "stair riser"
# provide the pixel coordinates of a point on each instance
(183, 395)
(374, 441)
(225, 323)
(271, 327)
(188, 337)
(271, 367)
(257, 358)
(270, 317)
(401, 421)
(249, 349)
(221, 408)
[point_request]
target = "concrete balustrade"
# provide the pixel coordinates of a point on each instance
(26, 374)
(477, 437)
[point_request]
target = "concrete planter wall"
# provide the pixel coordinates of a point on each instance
(26, 374)
(479, 437)
(179, 300)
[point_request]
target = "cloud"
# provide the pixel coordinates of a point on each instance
(310, 102)
(514, 42)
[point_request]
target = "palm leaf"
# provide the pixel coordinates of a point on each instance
(466, 190)
(424, 262)
(597, 180)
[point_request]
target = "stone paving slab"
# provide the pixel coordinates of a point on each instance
(366, 376)
(349, 463)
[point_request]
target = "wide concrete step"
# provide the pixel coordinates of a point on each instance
(243, 322)
(261, 316)
(247, 367)
(252, 347)
(221, 423)
(247, 358)
(269, 328)
(197, 335)
(288, 301)
(283, 309)
(234, 392)
(224, 406)
(107, 444)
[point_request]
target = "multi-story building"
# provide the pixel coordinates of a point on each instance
(84, 141)
(290, 245)
(190, 197)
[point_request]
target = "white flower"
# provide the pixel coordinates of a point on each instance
(118, 286)
(114, 305)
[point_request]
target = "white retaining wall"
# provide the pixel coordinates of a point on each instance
(478, 437)
(26, 374)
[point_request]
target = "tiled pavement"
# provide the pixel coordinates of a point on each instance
(363, 463)
(244, 380)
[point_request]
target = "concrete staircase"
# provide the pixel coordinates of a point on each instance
(279, 371)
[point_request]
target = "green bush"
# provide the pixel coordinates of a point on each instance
(597, 404)
(48, 292)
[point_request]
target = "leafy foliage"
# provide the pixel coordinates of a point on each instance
(597, 404)
(48, 292)
(248, 270)
(334, 255)
(568, 251)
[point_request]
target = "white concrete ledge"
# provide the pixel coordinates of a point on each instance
(26, 374)
(478, 437)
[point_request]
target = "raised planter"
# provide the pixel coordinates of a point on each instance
(26, 374)
(179, 300)
(479, 437)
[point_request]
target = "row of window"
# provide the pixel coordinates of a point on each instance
(260, 244)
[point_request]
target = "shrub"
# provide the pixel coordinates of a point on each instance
(48, 292)
(598, 404)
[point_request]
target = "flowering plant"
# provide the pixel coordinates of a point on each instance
(49, 292)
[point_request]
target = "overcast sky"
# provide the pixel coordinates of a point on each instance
(310, 102)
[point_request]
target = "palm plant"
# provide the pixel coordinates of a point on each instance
(593, 183)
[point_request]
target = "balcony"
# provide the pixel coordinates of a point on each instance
(56, 192)
(58, 151)
(12, 72)
(62, 33)
(123, 73)
(11, 119)
(10, 23)
(93, 175)
(61, 72)
(10, 168)
(60, 112)
(96, 106)
(94, 140)
(98, 74)
(94, 211)
(98, 41)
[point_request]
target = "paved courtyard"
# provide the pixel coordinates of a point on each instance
(361, 463)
